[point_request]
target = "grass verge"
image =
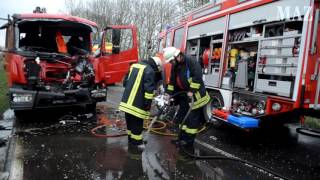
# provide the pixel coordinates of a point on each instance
(312, 122)
(4, 104)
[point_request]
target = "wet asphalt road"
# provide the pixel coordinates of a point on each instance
(45, 148)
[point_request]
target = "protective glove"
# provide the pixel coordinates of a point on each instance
(147, 105)
(190, 94)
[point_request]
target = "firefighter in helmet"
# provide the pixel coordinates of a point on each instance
(186, 75)
(137, 97)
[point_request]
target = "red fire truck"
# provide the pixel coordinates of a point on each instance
(260, 58)
(49, 61)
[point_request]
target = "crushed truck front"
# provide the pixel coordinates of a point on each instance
(48, 62)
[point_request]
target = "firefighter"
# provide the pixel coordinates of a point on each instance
(137, 97)
(186, 75)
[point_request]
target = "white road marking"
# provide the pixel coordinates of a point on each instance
(220, 151)
(16, 171)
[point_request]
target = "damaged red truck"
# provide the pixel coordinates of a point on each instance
(50, 63)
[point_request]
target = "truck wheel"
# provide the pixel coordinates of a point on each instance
(216, 101)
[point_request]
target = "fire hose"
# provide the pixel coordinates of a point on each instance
(199, 157)
(150, 128)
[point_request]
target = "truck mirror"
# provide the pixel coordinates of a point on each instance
(116, 41)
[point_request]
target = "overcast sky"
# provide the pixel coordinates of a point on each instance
(27, 6)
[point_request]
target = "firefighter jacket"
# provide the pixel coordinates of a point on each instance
(187, 76)
(139, 91)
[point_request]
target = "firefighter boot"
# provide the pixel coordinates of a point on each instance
(181, 139)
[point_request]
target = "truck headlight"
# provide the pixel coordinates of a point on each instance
(276, 106)
(20, 98)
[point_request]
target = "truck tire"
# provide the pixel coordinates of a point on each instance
(22, 114)
(216, 101)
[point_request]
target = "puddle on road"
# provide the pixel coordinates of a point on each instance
(69, 151)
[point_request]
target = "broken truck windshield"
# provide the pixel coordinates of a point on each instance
(54, 37)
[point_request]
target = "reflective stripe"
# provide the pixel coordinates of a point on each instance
(191, 131)
(136, 83)
(137, 137)
(188, 130)
(129, 132)
(134, 111)
(184, 127)
(170, 87)
(148, 95)
(195, 85)
(134, 108)
(136, 157)
(201, 102)
(198, 96)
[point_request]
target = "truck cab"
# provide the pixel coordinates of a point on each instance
(50, 63)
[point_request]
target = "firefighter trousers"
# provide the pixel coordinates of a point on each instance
(190, 128)
(134, 129)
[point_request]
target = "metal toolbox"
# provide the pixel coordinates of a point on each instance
(291, 70)
(287, 52)
(282, 61)
(275, 61)
(292, 60)
(211, 79)
(281, 88)
(272, 70)
(289, 33)
(278, 70)
(270, 52)
(288, 42)
(227, 83)
(271, 43)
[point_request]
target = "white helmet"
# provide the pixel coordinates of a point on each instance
(170, 53)
(158, 62)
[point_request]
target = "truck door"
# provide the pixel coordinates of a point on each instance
(119, 49)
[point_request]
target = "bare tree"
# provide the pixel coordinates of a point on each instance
(150, 16)
(188, 5)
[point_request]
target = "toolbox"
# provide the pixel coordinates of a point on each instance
(287, 51)
(282, 61)
(288, 42)
(243, 122)
(275, 61)
(281, 88)
(271, 43)
(268, 52)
